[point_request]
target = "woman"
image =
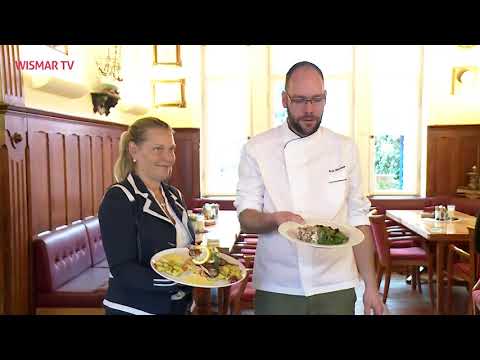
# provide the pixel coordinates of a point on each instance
(140, 216)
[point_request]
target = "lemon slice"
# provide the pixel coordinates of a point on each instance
(203, 257)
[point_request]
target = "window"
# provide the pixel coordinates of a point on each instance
(389, 162)
(226, 116)
(396, 116)
(228, 111)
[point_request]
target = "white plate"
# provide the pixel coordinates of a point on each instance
(289, 230)
(183, 278)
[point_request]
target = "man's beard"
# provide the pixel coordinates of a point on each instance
(294, 125)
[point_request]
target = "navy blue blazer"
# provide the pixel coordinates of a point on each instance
(134, 228)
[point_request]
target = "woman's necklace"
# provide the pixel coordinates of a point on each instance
(162, 202)
(163, 205)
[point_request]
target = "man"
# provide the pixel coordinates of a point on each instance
(300, 170)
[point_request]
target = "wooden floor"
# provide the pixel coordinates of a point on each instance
(402, 300)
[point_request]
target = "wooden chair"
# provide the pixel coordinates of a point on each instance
(242, 295)
(394, 229)
(390, 257)
(462, 266)
(399, 240)
(244, 251)
(245, 244)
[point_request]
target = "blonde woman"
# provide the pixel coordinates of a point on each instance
(140, 216)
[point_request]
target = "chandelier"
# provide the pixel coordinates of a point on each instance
(110, 66)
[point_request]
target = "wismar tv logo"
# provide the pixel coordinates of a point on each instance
(44, 64)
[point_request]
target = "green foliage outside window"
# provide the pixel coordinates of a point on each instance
(389, 162)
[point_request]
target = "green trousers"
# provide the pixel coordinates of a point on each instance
(341, 302)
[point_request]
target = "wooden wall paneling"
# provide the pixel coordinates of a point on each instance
(468, 156)
(4, 222)
(446, 150)
(13, 230)
(107, 163)
(451, 152)
(39, 165)
(73, 175)
(86, 187)
(431, 163)
(439, 177)
(115, 152)
(58, 193)
(15, 223)
(97, 171)
(11, 89)
(53, 177)
(18, 256)
(186, 172)
(71, 143)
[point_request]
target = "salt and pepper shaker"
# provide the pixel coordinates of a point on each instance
(440, 213)
(210, 211)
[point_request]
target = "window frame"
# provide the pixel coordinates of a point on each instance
(420, 150)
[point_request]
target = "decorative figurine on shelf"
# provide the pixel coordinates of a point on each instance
(473, 178)
(104, 100)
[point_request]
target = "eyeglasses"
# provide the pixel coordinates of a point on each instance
(303, 100)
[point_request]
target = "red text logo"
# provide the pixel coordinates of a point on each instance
(44, 64)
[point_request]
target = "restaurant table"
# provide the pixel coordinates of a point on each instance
(441, 233)
(224, 230)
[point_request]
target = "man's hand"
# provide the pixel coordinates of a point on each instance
(257, 222)
(372, 301)
(283, 216)
(363, 253)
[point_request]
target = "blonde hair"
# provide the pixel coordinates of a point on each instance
(137, 134)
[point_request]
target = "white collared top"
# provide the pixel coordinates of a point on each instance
(316, 176)
(183, 237)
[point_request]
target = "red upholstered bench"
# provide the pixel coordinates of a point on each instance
(99, 259)
(66, 280)
(465, 205)
(383, 203)
(224, 204)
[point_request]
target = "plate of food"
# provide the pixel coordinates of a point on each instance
(321, 233)
(198, 266)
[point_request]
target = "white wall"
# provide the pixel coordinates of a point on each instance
(62, 90)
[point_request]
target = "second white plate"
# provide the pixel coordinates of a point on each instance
(289, 230)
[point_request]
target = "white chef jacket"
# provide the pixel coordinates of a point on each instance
(317, 176)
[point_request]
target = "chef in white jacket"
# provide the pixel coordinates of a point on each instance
(292, 172)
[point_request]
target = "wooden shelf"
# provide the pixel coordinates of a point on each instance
(468, 193)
